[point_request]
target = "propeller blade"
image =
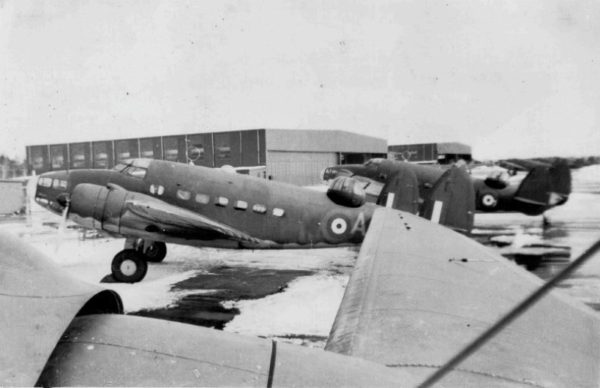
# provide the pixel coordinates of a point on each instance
(63, 224)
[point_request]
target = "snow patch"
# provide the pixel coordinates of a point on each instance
(150, 295)
(307, 307)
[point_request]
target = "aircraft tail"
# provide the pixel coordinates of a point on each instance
(545, 186)
(560, 176)
(401, 191)
(451, 201)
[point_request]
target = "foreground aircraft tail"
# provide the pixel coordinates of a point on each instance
(544, 186)
(420, 293)
(401, 191)
(451, 201)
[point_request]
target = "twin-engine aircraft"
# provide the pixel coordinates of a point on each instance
(152, 202)
(543, 187)
(422, 307)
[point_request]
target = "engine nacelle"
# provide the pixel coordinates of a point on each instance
(97, 207)
(347, 191)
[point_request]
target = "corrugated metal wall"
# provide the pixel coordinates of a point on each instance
(103, 155)
(415, 152)
(80, 155)
(200, 149)
(300, 168)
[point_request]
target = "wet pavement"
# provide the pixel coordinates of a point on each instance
(227, 284)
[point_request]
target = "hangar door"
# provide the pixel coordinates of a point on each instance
(299, 168)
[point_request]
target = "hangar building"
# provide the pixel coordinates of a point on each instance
(294, 156)
(429, 153)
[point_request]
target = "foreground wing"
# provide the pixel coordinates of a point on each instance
(37, 303)
(420, 293)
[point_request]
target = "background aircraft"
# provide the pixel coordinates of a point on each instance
(418, 295)
(152, 202)
(543, 187)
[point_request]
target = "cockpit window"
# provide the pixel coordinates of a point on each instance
(45, 182)
(137, 172)
(142, 163)
(119, 167)
(373, 162)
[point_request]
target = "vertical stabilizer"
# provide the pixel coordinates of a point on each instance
(401, 191)
(451, 201)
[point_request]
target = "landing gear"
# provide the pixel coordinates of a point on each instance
(129, 266)
(154, 252)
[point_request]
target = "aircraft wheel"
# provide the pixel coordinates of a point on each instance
(488, 201)
(129, 266)
(155, 252)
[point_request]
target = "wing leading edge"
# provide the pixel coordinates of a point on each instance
(421, 292)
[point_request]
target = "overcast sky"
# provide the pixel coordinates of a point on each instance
(510, 78)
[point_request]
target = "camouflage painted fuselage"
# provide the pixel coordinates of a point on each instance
(279, 215)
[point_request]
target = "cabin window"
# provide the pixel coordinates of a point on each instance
(222, 201)
(202, 198)
(157, 189)
(277, 212)
(184, 194)
(261, 209)
(45, 182)
(241, 205)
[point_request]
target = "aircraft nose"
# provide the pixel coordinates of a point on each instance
(52, 190)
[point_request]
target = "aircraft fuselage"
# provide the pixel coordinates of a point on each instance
(279, 215)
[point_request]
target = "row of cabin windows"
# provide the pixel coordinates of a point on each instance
(54, 183)
(204, 199)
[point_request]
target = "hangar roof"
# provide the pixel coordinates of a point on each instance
(322, 141)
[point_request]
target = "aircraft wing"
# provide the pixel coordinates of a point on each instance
(420, 293)
(37, 303)
(161, 212)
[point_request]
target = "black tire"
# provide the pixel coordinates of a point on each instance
(155, 252)
(129, 266)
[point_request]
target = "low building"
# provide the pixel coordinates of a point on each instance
(294, 156)
(429, 153)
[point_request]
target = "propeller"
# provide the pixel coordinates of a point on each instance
(64, 200)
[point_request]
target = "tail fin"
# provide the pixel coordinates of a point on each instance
(560, 178)
(401, 191)
(535, 187)
(545, 186)
(451, 201)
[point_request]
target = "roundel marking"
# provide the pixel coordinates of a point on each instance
(338, 226)
(335, 227)
(489, 200)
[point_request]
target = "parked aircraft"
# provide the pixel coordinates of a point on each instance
(419, 308)
(541, 188)
(152, 202)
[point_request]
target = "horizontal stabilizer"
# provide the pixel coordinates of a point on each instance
(451, 201)
(401, 191)
(420, 293)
